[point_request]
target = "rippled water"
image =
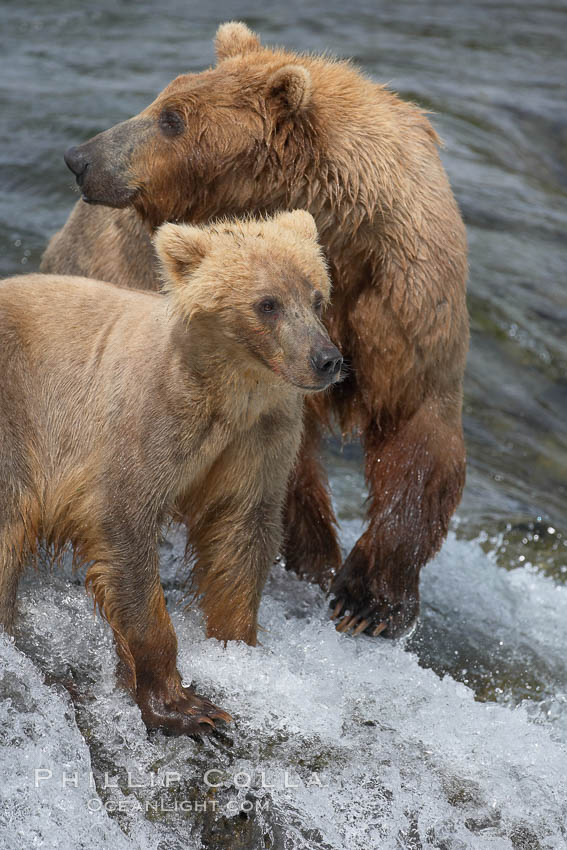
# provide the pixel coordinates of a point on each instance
(492, 72)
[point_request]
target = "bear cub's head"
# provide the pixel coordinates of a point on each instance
(253, 293)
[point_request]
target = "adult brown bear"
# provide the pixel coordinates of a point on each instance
(266, 130)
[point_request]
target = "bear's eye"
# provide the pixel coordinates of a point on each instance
(268, 305)
(318, 303)
(171, 123)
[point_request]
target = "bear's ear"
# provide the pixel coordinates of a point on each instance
(300, 221)
(291, 87)
(181, 249)
(234, 38)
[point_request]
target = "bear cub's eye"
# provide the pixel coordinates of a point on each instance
(171, 123)
(268, 305)
(318, 303)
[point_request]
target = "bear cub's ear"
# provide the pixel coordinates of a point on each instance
(291, 86)
(300, 221)
(233, 38)
(181, 249)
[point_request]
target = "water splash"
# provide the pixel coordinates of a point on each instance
(337, 742)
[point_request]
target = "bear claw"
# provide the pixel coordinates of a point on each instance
(367, 621)
(337, 610)
(359, 623)
(361, 627)
(182, 712)
(352, 623)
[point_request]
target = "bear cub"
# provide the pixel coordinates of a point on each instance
(121, 409)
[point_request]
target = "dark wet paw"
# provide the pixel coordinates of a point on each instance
(374, 618)
(179, 711)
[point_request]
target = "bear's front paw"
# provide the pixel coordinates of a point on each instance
(378, 617)
(178, 710)
(374, 601)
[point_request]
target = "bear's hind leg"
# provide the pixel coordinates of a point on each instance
(15, 547)
(125, 582)
(310, 548)
(10, 570)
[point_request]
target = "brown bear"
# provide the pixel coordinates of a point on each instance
(266, 130)
(120, 409)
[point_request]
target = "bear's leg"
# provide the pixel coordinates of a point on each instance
(236, 527)
(311, 548)
(415, 473)
(18, 533)
(124, 579)
(11, 563)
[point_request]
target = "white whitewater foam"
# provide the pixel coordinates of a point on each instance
(384, 753)
(39, 736)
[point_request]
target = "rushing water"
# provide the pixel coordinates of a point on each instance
(439, 770)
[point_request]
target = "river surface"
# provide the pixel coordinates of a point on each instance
(494, 618)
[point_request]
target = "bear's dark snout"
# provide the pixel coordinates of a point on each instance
(327, 362)
(77, 162)
(101, 165)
